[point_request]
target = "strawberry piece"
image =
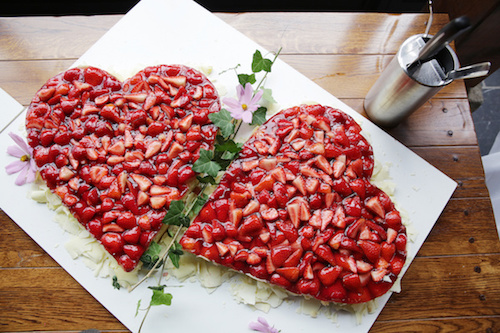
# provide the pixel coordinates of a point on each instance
(375, 206)
(311, 287)
(329, 274)
(280, 254)
(352, 282)
(113, 242)
(250, 225)
(371, 250)
(289, 273)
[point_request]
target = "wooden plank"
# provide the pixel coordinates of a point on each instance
(23, 38)
(469, 324)
(442, 287)
(466, 226)
(22, 79)
(457, 162)
(342, 33)
(469, 188)
(49, 299)
(327, 33)
(18, 250)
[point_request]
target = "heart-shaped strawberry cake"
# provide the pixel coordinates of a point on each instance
(297, 209)
(118, 153)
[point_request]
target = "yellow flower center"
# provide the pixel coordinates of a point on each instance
(244, 106)
(25, 158)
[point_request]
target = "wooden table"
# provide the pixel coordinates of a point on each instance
(454, 282)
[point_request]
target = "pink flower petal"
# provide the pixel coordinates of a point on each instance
(257, 97)
(231, 102)
(15, 151)
(246, 98)
(240, 91)
(263, 321)
(236, 113)
(257, 326)
(261, 325)
(252, 108)
(247, 116)
(15, 167)
(20, 142)
(21, 178)
(31, 174)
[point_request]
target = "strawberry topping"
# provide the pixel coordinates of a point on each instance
(297, 209)
(118, 154)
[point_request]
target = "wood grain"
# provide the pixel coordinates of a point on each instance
(469, 324)
(32, 38)
(48, 299)
(316, 33)
(440, 287)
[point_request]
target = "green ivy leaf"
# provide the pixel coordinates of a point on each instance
(220, 160)
(229, 156)
(200, 201)
(223, 121)
(151, 255)
(160, 297)
(206, 180)
(204, 164)
(175, 253)
(268, 95)
(243, 79)
(229, 145)
(116, 285)
(260, 64)
(175, 215)
(259, 116)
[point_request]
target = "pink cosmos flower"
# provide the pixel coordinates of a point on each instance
(261, 325)
(26, 166)
(245, 106)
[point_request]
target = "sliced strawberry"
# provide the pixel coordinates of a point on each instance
(250, 225)
(352, 282)
(375, 206)
(289, 273)
(329, 274)
(370, 249)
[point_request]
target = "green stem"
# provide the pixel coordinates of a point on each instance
(144, 318)
(265, 75)
(232, 136)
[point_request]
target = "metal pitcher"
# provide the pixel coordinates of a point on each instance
(405, 84)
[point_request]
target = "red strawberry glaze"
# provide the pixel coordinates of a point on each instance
(297, 209)
(118, 154)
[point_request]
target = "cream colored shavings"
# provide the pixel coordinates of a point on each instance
(258, 295)
(382, 179)
(310, 307)
(362, 309)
